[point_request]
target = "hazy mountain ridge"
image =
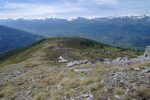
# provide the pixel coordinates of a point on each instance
(130, 32)
(13, 38)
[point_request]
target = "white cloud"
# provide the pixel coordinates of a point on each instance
(68, 8)
(38, 10)
(101, 2)
(111, 2)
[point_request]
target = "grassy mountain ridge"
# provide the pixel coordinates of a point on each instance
(35, 72)
(51, 49)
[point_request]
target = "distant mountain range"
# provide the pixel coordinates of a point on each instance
(128, 32)
(11, 38)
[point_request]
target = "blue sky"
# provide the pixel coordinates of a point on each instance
(72, 8)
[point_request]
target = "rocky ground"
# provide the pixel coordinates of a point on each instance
(59, 69)
(125, 84)
(78, 82)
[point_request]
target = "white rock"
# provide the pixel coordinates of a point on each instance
(146, 71)
(61, 59)
(70, 64)
(117, 97)
(137, 69)
(83, 70)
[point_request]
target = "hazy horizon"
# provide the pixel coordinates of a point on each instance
(73, 18)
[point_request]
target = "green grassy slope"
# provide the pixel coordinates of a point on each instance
(19, 54)
(69, 48)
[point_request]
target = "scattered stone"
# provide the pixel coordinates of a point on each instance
(59, 86)
(127, 81)
(137, 69)
(61, 59)
(146, 71)
(108, 62)
(83, 70)
(87, 96)
(97, 60)
(70, 64)
(117, 97)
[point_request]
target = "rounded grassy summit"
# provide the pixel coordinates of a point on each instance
(73, 48)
